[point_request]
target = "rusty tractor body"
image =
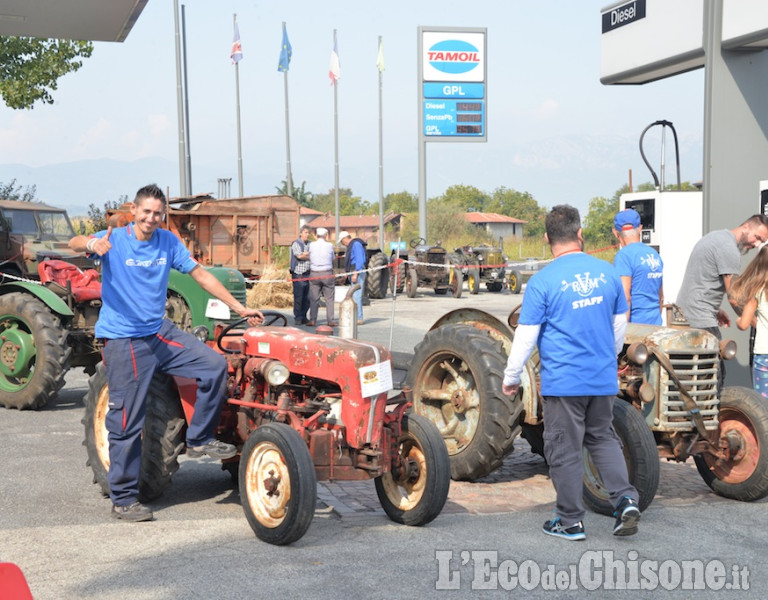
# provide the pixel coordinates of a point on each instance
(668, 406)
(300, 407)
(235, 233)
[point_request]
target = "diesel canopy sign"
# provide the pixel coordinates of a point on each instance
(624, 14)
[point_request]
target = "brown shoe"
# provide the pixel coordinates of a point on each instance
(310, 323)
(333, 324)
(360, 321)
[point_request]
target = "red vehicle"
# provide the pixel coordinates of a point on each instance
(300, 407)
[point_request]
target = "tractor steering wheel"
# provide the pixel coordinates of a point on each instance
(270, 317)
(418, 242)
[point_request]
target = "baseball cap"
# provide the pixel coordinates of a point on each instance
(321, 231)
(344, 234)
(626, 219)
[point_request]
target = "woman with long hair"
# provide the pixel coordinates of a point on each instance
(750, 290)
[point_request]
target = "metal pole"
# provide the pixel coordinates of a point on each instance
(336, 150)
(239, 141)
(180, 104)
(381, 159)
(288, 175)
(188, 159)
(422, 143)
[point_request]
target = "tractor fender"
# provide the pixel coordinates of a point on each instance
(49, 298)
(502, 333)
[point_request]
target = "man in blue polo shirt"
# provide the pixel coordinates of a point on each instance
(136, 262)
(640, 268)
(575, 311)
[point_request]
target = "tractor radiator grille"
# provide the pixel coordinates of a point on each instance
(697, 371)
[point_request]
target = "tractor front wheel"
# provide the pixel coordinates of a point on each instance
(278, 486)
(515, 282)
(473, 280)
(412, 283)
(416, 493)
(741, 470)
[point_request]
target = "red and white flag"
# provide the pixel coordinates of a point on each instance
(334, 71)
(237, 50)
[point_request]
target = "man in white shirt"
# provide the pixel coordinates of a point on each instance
(321, 258)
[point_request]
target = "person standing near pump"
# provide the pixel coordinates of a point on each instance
(321, 257)
(355, 261)
(574, 310)
(750, 290)
(299, 269)
(640, 268)
(136, 262)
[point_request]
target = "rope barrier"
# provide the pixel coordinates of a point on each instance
(397, 262)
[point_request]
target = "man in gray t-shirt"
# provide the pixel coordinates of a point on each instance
(714, 260)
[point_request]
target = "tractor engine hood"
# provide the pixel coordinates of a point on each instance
(672, 339)
(322, 357)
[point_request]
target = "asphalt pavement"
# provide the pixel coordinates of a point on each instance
(487, 542)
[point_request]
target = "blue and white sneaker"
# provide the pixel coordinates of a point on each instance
(573, 532)
(627, 515)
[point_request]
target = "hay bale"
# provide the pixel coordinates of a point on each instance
(273, 289)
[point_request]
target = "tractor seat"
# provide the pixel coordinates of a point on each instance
(85, 285)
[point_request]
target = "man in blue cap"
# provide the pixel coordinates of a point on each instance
(640, 268)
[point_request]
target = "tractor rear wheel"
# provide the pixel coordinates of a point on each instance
(278, 486)
(640, 453)
(743, 432)
(34, 355)
(162, 437)
(456, 377)
(417, 494)
(377, 281)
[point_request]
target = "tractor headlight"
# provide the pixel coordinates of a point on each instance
(201, 333)
(275, 372)
(637, 353)
(727, 349)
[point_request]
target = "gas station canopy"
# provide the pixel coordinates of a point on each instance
(646, 40)
(97, 20)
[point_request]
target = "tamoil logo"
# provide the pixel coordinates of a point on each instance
(453, 56)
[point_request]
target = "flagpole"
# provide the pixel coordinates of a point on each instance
(336, 147)
(187, 150)
(288, 175)
(380, 67)
(180, 106)
(239, 141)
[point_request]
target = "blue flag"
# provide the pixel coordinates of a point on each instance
(237, 49)
(285, 53)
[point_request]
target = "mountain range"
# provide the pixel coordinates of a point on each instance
(571, 169)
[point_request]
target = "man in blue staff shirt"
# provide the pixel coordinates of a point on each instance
(640, 268)
(136, 262)
(575, 311)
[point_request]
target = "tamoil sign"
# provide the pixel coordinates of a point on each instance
(452, 74)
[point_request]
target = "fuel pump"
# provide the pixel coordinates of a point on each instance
(672, 220)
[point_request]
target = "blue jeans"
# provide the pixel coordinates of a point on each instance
(760, 374)
(130, 364)
(357, 295)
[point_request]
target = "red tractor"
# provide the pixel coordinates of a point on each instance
(300, 407)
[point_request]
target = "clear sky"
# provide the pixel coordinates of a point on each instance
(553, 129)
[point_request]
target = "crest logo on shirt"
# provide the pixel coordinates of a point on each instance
(651, 261)
(129, 262)
(584, 284)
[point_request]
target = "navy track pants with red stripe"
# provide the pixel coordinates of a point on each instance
(130, 364)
